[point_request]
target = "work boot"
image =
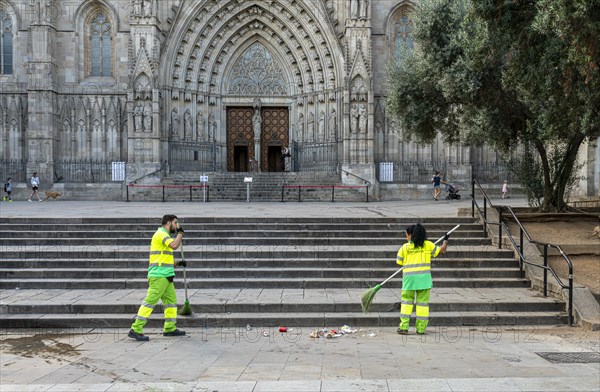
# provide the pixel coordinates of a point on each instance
(402, 331)
(140, 337)
(177, 332)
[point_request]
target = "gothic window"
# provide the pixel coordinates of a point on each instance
(256, 72)
(6, 44)
(101, 45)
(402, 35)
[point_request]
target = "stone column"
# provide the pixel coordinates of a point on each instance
(42, 108)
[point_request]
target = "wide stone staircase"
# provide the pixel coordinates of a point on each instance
(299, 186)
(91, 272)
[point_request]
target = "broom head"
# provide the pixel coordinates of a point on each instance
(367, 297)
(186, 309)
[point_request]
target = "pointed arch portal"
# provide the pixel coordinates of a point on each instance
(229, 53)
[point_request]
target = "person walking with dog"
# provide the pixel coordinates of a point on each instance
(8, 190)
(415, 258)
(35, 185)
(161, 272)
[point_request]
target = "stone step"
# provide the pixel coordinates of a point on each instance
(273, 320)
(344, 263)
(40, 240)
(229, 254)
(83, 307)
(154, 222)
(261, 283)
(7, 274)
(233, 232)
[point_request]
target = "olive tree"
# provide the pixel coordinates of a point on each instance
(507, 73)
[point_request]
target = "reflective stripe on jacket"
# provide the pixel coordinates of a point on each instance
(161, 262)
(416, 274)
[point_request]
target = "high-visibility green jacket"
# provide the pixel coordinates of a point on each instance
(162, 262)
(416, 274)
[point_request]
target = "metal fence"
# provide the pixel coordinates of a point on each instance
(409, 172)
(83, 171)
(422, 172)
(321, 157)
(16, 169)
(491, 172)
(192, 156)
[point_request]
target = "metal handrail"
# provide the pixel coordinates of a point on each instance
(162, 166)
(360, 178)
(520, 247)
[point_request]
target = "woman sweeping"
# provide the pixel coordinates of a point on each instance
(415, 257)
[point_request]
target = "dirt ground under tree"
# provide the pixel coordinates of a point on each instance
(575, 235)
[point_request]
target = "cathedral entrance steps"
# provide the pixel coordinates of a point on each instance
(270, 308)
(54, 261)
(363, 274)
(265, 186)
(298, 271)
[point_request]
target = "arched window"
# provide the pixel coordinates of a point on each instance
(402, 35)
(101, 45)
(6, 44)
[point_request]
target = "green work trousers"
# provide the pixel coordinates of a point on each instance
(158, 289)
(422, 311)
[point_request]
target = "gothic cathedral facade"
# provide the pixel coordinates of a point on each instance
(206, 86)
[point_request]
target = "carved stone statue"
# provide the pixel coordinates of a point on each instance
(300, 127)
(353, 119)
(322, 126)
(137, 117)
(364, 6)
(174, 124)
(137, 7)
(354, 9)
(147, 118)
(187, 125)
(200, 128)
(212, 127)
(257, 124)
(311, 126)
(332, 124)
(362, 119)
(147, 7)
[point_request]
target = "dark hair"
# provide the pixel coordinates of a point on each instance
(34, 173)
(418, 234)
(168, 218)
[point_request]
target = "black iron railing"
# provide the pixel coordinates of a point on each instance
(519, 248)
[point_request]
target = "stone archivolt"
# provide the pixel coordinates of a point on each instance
(204, 47)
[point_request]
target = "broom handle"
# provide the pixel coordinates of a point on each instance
(397, 272)
(184, 274)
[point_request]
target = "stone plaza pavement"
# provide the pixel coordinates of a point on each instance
(228, 359)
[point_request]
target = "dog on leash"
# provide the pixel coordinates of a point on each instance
(53, 195)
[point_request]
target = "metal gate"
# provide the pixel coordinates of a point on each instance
(192, 156)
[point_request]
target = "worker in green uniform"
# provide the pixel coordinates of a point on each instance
(415, 258)
(161, 271)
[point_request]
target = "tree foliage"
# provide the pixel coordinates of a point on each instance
(505, 73)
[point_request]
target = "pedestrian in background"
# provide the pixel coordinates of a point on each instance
(8, 190)
(505, 190)
(415, 258)
(436, 180)
(161, 272)
(35, 184)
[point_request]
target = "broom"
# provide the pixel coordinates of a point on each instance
(186, 310)
(368, 295)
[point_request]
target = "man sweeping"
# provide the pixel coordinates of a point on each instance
(161, 272)
(415, 257)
